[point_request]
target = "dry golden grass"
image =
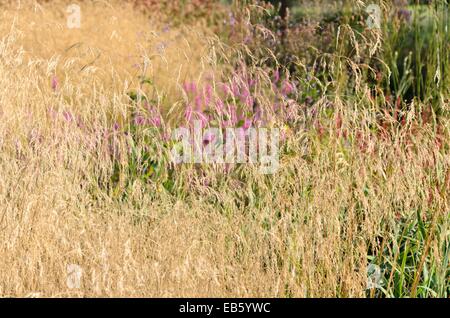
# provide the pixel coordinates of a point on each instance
(304, 231)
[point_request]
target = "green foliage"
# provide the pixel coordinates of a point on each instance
(416, 50)
(408, 266)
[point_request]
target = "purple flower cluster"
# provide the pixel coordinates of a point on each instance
(236, 105)
(151, 117)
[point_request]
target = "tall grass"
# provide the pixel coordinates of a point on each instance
(86, 177)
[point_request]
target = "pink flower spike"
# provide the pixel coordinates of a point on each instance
(68, 116)
(155, 121)
(208, 90)
(202, 118)
(247, 124)
(219, 106)
(198, 102)
(276, 77)
(186, 87)
(188, 114)
(80, 122)
(235, 90)
(166, 136)
(139, 120)
(257, 115)
(208, 94)
(245, 92)
(287, 88)
(249, 101)
(193, 87)
(54, 83)
(234, 119)
(189, 87)
(226, 88)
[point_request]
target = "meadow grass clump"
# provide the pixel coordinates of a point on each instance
(358, 206)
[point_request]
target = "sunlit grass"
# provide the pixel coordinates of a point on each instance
(361, 180)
